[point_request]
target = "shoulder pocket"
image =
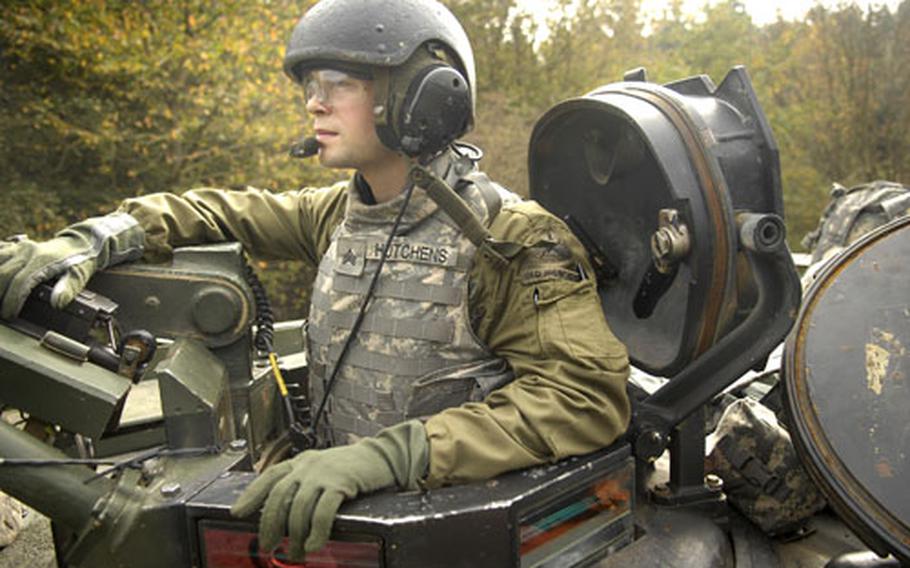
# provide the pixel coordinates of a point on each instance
(570, 320)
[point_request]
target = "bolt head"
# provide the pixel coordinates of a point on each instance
(171, 489)
(662, 244)
(714, 482)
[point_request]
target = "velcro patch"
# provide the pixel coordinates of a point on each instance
(545, 274)
(402, 250)
(349, 256)
(548, 260)
(553, 252)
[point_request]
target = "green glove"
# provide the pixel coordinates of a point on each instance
(304, 493)
(74, 254)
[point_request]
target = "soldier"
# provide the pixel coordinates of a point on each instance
(482, 346)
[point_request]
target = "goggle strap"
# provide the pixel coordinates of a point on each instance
(381, 85)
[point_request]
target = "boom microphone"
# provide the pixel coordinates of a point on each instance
(304, 148)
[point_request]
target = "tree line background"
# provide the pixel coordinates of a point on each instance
(105, 99)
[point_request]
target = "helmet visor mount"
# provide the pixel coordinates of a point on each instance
(332, 87)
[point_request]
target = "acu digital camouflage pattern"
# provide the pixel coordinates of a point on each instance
(854, 212)
(416, 353)
(762, 475)
(12, 513)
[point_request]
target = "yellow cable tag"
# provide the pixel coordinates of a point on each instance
(273, 360)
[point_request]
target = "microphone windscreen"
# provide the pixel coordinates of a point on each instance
(305, 148)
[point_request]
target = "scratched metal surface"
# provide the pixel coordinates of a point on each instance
(849, 390)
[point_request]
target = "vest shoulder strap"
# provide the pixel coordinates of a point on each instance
(450, 202)
(488, 192)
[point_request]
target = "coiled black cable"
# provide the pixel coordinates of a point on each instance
(263, 340)
(265, 318)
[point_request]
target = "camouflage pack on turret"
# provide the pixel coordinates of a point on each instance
(853, 212)
(12, 515)
(762, 475)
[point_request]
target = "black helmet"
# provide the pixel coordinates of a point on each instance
(417, 113)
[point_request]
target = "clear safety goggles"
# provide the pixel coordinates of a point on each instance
(331, 87)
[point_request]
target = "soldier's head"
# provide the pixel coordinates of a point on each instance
(383, 78)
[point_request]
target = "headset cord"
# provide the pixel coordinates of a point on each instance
(310, 438)
(265, 333)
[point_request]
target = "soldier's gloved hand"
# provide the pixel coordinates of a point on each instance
(304, 493)
(74, 254)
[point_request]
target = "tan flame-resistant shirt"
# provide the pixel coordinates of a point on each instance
(542, 314)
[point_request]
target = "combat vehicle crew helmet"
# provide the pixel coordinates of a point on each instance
(415, 51)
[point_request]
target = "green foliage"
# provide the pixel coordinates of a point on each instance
(103, 100)
(288, 285)
(100, 100)
(25, 208)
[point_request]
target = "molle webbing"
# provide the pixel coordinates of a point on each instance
(363, 394)
(401, 290)
(358, 425)
(416, 353)
(439, 331)
(364, 359)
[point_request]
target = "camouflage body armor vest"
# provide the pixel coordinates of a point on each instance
(415, 353)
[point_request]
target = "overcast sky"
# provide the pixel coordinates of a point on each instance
(762, 11)
(766, 11)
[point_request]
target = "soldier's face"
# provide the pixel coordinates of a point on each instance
(342, 108)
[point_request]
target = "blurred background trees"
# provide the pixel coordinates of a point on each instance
(103, 99)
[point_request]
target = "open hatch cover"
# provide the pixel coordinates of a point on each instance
(848, 386)
(651, 178)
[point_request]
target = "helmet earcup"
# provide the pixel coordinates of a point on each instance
(435, 111)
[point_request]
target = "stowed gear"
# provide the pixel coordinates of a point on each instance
(853, 212)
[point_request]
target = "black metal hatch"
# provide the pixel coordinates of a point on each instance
(650, 178)
(675, 192)
(848, 386)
